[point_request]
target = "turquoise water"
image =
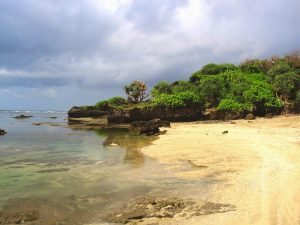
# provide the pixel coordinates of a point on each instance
(54, 167)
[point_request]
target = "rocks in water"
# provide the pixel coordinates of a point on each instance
(22, 117)
(146, 127)
(16, 217)
(2, 132)
(80, 112)
(145, 208)
(225, 132)
(148, 208)
(250, 116)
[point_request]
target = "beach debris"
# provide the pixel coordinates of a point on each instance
(36, 124)
(225, 132)
(2, 132)
(22, 117)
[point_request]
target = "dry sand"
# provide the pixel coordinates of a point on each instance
(257, 163)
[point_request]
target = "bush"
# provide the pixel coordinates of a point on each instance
(279, 68)
(232, 105)
(183, 86)
(102, 104)
(161, 87)
(117, 100)
(251, 66)
(210, 69)
(262, 95)
(285, 84)
(211, 89)
(177, 100)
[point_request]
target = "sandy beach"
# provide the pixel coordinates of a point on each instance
(256, 166)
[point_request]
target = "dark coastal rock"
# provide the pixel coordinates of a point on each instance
(2, 132)
(269, 115)
(150, 113)
(22, 117)
(119, 116)
(148, 208)
(215, 114)
(80, 112)
(250, 116)
(146, 127)
(225, 132)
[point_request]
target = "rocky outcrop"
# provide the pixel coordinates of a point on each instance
(81, 112)
(2, 132)
(22, 117)
(147, 127)
(215, 114)
(169, 114)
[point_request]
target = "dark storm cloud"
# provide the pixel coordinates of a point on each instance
(96, 46)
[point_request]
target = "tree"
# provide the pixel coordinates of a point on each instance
(136, 91)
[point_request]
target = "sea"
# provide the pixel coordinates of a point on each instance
(69, 176)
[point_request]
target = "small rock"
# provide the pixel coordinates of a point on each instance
(225, 132)
(250, 116)
(269, 115)
(2, 132)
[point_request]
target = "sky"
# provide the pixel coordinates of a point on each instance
(55, 54)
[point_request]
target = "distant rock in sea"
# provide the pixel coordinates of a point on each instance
(22, 117)
(2, 132)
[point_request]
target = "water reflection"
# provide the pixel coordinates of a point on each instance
(131, 143)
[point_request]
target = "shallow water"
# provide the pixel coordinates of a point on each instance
(69, 176)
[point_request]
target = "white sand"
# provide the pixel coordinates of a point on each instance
(258, 163)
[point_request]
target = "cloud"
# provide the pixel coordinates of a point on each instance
(96, 46)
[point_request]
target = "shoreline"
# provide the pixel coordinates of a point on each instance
(256, 165)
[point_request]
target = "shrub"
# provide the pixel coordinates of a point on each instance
(102, 104)
(232, 105)
(285, 84)
(210, 69)
(183, 86)
(161, 87)
(117, 100)
(279, 68)
(211, 89)
(251, 66)
(177, 100)
(262, 96)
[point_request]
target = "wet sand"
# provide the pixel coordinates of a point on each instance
(256, 166)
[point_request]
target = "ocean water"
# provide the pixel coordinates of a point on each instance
(68, 175)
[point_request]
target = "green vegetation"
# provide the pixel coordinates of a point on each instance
(136, 91)
(258, 86)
